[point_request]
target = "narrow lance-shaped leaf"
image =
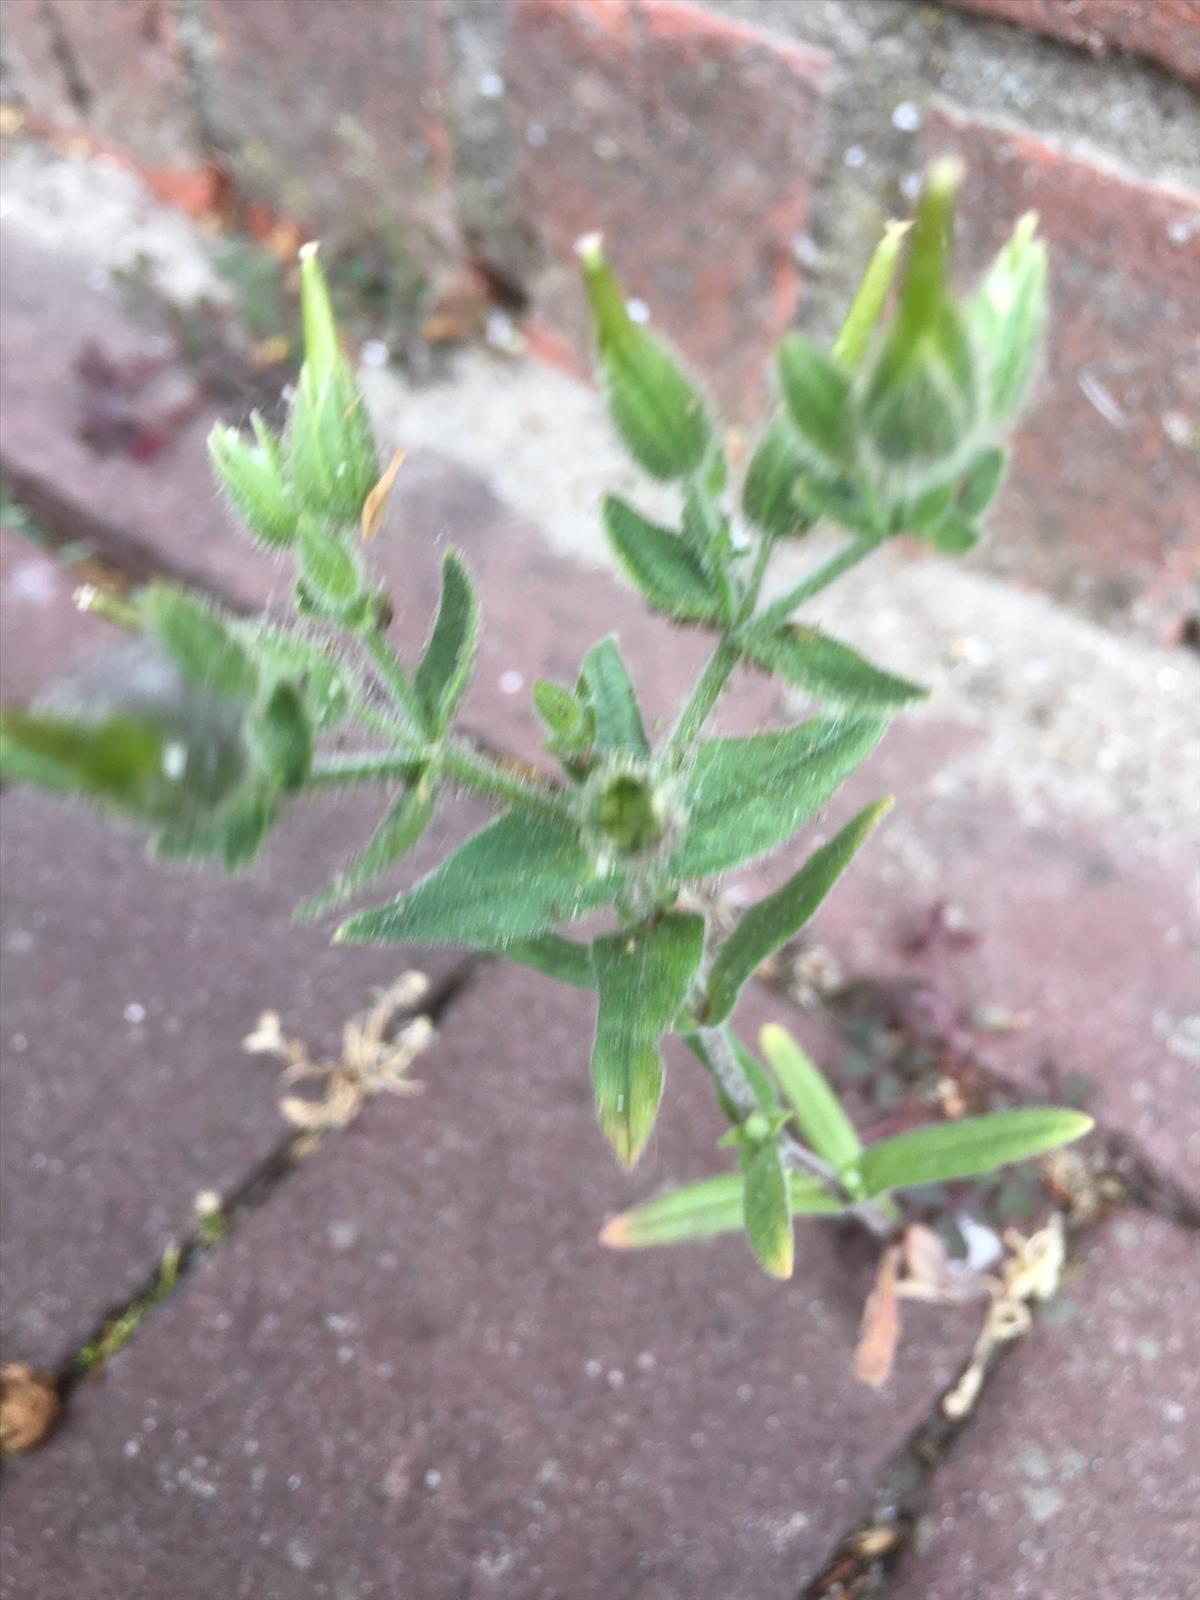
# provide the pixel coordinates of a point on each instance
(396, 835)
(778, 918)
(746, 796)
(768, 1214)
(949, 1150)
(828, 669)
(705, 1210)
(819, 1114)
(513, 880)
(444, 670)
(614, 703)
(659, 565)
(643, 976)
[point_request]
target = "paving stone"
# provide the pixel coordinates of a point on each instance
(1079, 1479)
(668, 126)
(1166, 31)
(338, 118)
(1103, 503)
(127, 992)
(416, 1372)
(107, 68)
(42, 633)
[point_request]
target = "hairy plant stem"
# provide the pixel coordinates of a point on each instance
(721, 663)
(780, 610)
(704, 696)
(362, 766)
(728, 1071)
(394, 678)
(488, 777)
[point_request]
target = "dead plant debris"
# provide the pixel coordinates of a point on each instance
(29, 1404)
(375, 1058)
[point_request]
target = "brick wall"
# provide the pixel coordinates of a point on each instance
(741, 156)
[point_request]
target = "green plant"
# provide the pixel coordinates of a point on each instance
(211, 723)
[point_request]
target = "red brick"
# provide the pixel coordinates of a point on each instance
(1100, 508)
(336, 111)
(692, 141)
(110, 68)
(1166, 31)
(1077, 1481)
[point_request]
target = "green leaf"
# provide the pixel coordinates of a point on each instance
(445, 669)
(706, 1209)
(245, 827)
(773, 921)
(744, 797)
(965, 1149)
(955, 537)
(118, 760)
(557, 957)
(331, 572)
(515, 879)
(852, 341)
(776, 469)
(819, 1114)
(659, 565)
(327, 686)
(817, 394)
(655, 409)
(283, 737)
(562, 713)
(643, 975)
(982, 482)
(614, 703)
(813, 661)
(396, 835)
(768, 1215)
(237, 834)
(198, 641)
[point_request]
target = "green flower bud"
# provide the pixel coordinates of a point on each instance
(776, 468)
(253, 477)
(656, 410)
(330, 449)
(919, 406)
(630, 811)
(1007, 317)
